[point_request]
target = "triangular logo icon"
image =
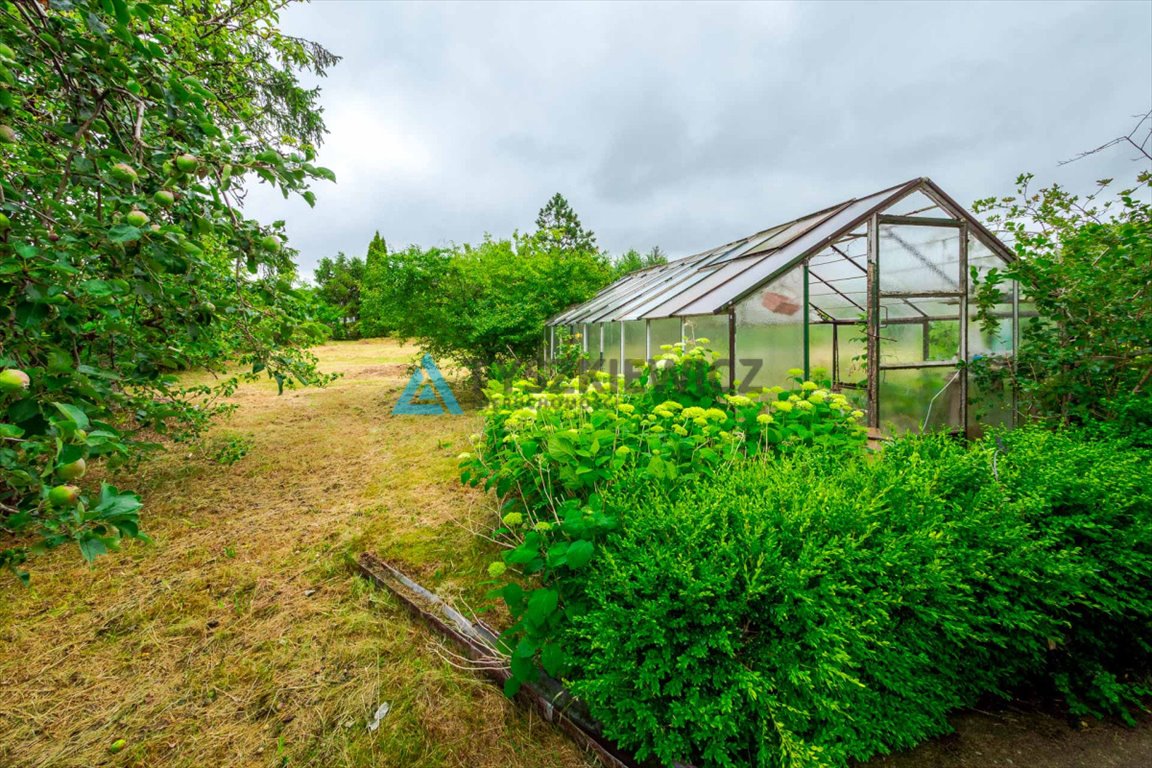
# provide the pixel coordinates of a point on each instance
(427, 393)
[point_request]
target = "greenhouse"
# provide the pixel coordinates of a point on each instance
(885, 278)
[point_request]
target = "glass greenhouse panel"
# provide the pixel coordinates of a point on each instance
(914, 342)
(708, 330)
(995, 340)
(821, 352)
(594, 336)
(848, 376)
(917, 330)
(612, 349)
(852, 348)
(917, 258)
(983, 260)
(634, 347)
(919, 398)
(918, 204)
(663, 332)
(590, 340)
(765, 354)
(770, 332)
(837, 286)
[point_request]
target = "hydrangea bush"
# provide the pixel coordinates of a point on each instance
(550, 450)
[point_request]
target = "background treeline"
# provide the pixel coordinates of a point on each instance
(481, 303)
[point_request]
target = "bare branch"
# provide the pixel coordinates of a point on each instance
(1141, 147)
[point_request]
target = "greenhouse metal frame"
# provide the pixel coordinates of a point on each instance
(885, 277)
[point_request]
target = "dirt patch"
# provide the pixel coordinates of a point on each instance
(1010, 736)
(389, 371)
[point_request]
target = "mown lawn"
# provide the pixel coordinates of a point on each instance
(242, 636)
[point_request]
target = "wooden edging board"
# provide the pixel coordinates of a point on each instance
(478, 643)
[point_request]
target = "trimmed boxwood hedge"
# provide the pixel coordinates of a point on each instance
(820, 608)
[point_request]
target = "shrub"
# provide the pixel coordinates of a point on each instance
(550, 451)
(1084, 268)
(479, 305)
(1092, 500)
(818, 608)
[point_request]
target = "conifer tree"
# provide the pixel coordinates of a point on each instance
(559, 226)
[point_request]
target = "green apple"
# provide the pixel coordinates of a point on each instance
(13, 380)
(64, 496)
(124, 173)
(187, 163)
(73, 470)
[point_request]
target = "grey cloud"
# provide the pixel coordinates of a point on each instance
(688, 125)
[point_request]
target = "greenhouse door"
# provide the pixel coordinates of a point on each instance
(917, 278)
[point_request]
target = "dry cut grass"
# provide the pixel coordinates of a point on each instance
(241, 637)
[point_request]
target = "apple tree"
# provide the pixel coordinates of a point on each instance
(129, 132)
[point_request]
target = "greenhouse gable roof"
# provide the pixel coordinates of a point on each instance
(712, 281)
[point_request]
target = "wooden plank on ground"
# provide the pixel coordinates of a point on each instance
(477, 642)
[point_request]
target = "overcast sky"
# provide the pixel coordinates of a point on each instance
(690, 125)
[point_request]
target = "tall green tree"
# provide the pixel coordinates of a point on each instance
(485, 304)
(338, 284)
(129, 131)
(559, 227)
(633, 261)
(376, 319)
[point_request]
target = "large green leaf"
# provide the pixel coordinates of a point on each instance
(580, 553)
(73, 413)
